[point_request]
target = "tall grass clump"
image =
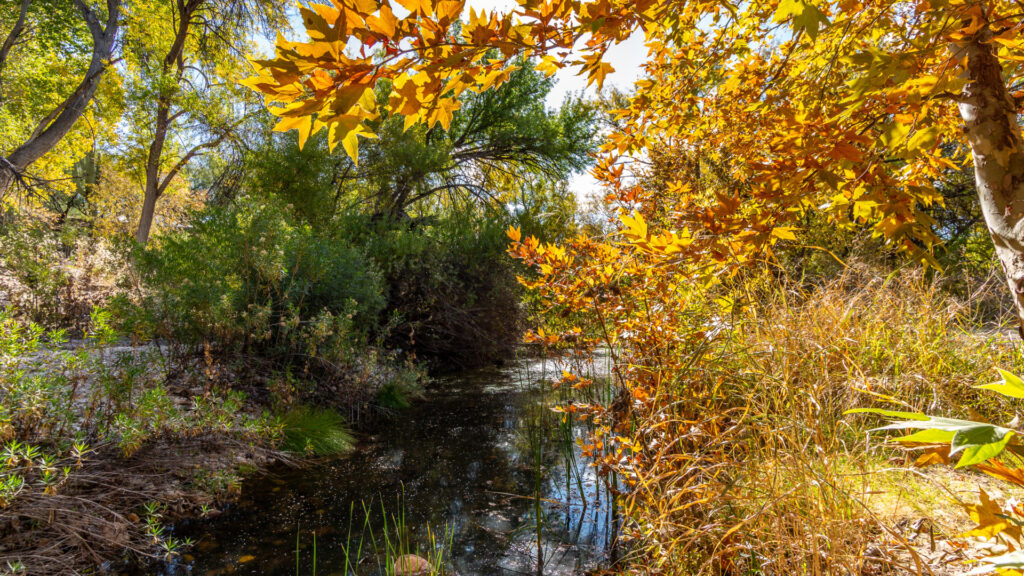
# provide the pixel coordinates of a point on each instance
(387, 542)
(745, 463)
(316, 431)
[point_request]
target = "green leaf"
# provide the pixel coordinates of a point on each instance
(928, 436)
(977, 440)
(979, 444)
(889, 413)
(939, 423)
(1011, 385)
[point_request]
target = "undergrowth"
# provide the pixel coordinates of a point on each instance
(743, 462)
(86, 431)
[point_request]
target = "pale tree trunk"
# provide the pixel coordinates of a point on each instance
(990, 123)
(60, 121)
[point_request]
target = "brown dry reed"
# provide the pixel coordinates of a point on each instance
(750, 466)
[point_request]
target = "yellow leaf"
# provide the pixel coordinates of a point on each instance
(939, 455)
(304, 124)
(923, 139)
(990, 518)
(635, 225)
(548, 65)
(449, 9)
(423, 7)
(999, 470)
(384, 22)
(784, 233)
(350, 141)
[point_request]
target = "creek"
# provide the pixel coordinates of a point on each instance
(479, 473)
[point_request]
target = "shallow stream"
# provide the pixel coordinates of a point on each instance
(463, 474)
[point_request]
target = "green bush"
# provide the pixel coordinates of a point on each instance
(452, 294)
(251, 279)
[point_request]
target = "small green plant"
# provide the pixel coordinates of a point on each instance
(13, 568)
(315, 431)
(155, 529)
(217, 482)
(990, 448)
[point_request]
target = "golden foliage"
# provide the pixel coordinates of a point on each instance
(117, 202)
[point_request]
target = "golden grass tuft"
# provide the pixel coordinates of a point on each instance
(751, 467)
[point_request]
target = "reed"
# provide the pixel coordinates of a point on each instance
(391, 540)
(746, 464)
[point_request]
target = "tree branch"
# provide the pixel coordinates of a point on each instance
(12, 39)
(184, 160)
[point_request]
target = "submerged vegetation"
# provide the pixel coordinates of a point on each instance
(791, 257)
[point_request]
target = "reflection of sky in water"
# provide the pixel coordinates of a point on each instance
(462, 460)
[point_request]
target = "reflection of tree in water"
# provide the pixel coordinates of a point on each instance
(463, 461)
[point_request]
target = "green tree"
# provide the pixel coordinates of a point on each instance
(500, 147)
(184, 59)
(45, 43)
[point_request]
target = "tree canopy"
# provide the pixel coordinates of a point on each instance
(497, 140)
(850, 108)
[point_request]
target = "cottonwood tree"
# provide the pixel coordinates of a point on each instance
(838, 106)
(184, 58)
(496, 137)
(33, 26)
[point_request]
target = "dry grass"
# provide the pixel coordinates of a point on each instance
(752, 467)
(99, 517)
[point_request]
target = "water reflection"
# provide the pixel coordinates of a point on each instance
(467, 463)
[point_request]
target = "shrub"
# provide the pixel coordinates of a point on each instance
(52, 396)
(734, 441)
(452, 294)
(250, 279)
(54, 275)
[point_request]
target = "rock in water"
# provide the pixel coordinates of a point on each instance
(411, 565)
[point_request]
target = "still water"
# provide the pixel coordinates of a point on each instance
(465, 473)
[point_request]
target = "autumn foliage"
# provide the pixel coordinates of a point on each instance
(750, 115)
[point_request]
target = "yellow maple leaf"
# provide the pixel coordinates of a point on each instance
(635, 225)
(991, 519)
(784, 233)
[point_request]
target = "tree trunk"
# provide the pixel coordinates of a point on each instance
(153, 187)
(990, 123)
(74, 106)
(173, 63)
(146, 219)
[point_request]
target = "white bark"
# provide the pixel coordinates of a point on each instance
(994, 135)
